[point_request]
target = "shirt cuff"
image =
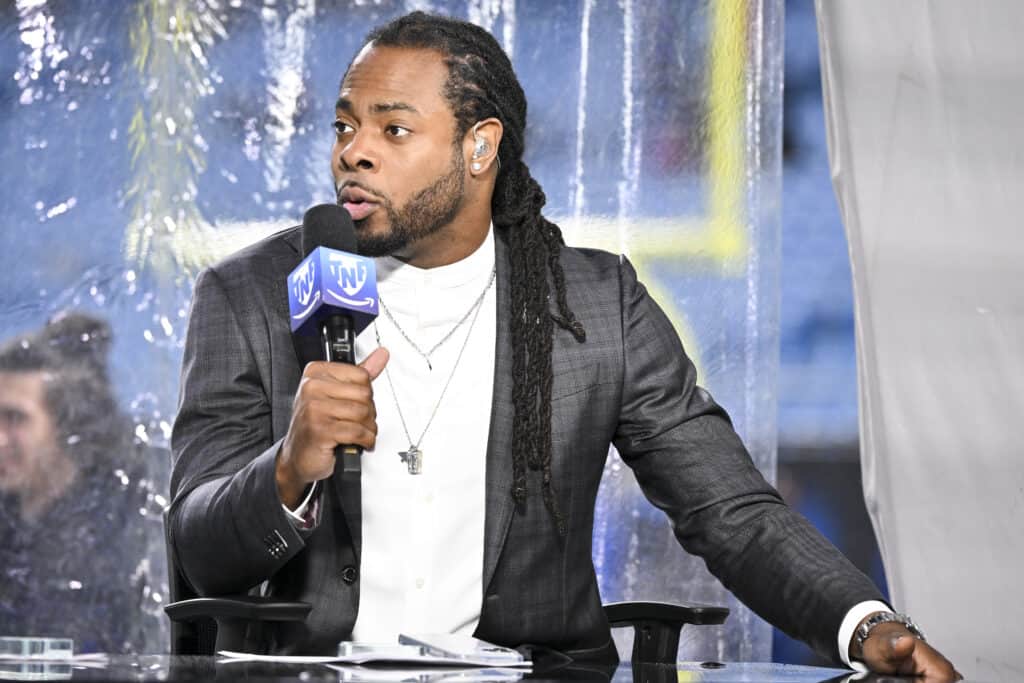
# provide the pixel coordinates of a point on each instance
(849, 625)
(306, 514)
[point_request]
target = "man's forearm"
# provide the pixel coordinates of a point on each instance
(232, 533)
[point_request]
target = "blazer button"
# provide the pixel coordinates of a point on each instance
(349, 574)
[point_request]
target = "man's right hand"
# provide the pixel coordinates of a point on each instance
(334, 405)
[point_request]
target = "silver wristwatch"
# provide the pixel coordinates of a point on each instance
(864, 630)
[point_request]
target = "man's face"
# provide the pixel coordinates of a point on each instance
(28, 435)
(396, 165)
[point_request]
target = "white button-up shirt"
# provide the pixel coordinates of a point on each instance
(423, 534)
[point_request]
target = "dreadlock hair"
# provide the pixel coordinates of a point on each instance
(481, 84)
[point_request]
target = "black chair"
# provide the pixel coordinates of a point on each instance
(203, 626)
(657, 625)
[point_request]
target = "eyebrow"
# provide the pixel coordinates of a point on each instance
(345, 105)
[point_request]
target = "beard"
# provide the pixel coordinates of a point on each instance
(427, 212)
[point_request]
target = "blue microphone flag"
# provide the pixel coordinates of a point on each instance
(331, 282)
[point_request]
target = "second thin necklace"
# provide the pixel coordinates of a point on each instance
(413, 456)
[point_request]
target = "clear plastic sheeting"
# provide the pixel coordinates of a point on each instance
(79, 507)
(146, 140)
(924, 102)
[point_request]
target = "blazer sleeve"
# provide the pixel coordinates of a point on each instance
(690, 463)
(227, 527)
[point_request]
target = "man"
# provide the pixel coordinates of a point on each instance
(72, 541)
(475, 507)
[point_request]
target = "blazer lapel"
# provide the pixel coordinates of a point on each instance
(500, 506)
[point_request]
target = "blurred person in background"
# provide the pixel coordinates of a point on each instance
(71, 553)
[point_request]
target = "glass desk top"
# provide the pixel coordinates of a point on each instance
(180, 668)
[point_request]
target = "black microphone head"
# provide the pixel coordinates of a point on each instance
(328, 225)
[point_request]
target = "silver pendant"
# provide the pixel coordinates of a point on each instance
(413, 459)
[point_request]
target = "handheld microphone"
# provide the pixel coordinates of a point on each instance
(332, 293)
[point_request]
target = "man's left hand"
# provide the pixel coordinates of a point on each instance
(892, 649)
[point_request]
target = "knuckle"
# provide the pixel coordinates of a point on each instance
(313, 368)
(346, 432)
(314, 408)
(353, 410)
(360, 375)
(311, 387)
(367, 412)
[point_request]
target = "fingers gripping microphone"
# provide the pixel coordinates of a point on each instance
(333, 293)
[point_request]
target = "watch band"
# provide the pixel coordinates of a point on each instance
(864, 630)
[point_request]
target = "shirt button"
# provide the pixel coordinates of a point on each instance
(419, 583)
(429, 498)
(349, 574)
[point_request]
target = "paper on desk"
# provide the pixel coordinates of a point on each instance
(357, 673)
(383, 657)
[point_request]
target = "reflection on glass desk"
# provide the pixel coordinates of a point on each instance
(177, 668)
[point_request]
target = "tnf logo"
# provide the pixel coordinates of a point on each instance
(303, 282)
(350, 273)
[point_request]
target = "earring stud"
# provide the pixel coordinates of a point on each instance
(475, 166)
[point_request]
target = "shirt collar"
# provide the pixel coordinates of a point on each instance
(393, 273)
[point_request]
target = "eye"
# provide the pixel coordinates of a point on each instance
(342, 128)
(397, 131)
(11, 417)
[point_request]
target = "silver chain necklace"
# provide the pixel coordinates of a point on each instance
(413, 456)
(426, 355)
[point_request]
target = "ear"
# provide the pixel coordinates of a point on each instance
(480, 146)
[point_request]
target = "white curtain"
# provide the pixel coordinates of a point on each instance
(925, 112)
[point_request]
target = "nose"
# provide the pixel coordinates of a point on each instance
(358, 154)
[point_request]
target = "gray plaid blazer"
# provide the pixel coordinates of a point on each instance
(630, 384)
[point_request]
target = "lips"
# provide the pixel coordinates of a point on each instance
(359, 210)
(357, 202)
